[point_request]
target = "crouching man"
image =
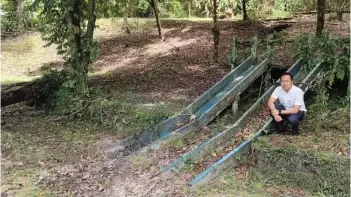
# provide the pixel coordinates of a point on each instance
(291, 106)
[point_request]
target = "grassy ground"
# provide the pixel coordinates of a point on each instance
(285, 165)
(250, 180)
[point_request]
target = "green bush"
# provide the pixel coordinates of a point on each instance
(48, 86)
(295, 5)
(142, 9)
(327, 114)
(333, 52)
(173, 9)
(9, 21)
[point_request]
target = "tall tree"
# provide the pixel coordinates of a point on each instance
(130, 8)
(20, 14)
(189, 8)
(65, 26)
(154, 6)
(320, 16)
(215, 31)
(245, 17)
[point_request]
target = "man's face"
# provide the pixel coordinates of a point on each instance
(286, 82)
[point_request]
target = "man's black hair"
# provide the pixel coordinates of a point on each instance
(287, 73)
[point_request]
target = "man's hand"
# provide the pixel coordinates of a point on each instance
(275, 112)
(277, 118)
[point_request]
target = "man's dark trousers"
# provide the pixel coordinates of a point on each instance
(293, 119)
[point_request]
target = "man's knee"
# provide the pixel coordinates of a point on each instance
(294, 120)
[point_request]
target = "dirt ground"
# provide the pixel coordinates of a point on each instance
(42, 157)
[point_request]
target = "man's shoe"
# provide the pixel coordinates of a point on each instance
(296, 132)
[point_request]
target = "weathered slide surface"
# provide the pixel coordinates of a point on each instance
(202, 111)
(231, 158)
(206, 148)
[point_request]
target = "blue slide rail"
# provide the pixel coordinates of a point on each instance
(231, 158)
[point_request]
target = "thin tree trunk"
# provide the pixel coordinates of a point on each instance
(245, 17)
(91, 23)
(215, 32)
(320, 16)
(339, 15)
(130, 8)
(20, 14)
(86, 61)
(155, 8)
(189, 8)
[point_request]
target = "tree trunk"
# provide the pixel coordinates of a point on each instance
(20, 14)
(90, 30)
(245, 17)
(189, 8)
(320, 16)
(86, 57)
(79, 60)
(339, 15)
(215, 32)
(155, 8)
(130, 8)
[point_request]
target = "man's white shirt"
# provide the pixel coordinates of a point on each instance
(291, 98)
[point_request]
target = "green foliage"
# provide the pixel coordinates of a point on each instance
(57, 92)
(333, 52)
(51, 82)
(257, 9)
(124, 117)
(110, 8)
(295, 5)
(9, 22)
(64, 24)
(121, 114)
(328, 112)
(173, 9)
(143, 9)
(8, 19)
(151, 116)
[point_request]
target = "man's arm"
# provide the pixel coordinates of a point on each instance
(293, 110)
(272, 109)
(270, 103)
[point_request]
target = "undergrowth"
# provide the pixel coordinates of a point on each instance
(326, 114)
(330, 109)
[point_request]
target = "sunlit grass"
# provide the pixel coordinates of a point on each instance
(23, 56)
(280, 14)
(7, 80)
